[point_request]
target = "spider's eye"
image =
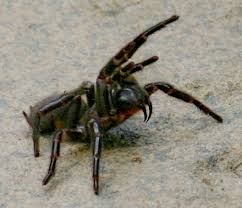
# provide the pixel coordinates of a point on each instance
(126, 98)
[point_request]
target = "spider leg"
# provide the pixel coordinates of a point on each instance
(66, 98)
(34, 124)
(55, 150)
(131, 68)
(170, 90)
(27, 119)
(36, 133)
(87, 89)
(127, 52)
(90, 93)
(97, 146)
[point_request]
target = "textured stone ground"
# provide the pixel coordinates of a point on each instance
(181, 158)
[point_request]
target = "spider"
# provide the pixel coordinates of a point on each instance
(115, 97)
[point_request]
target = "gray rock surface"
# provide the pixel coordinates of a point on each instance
(181, 158)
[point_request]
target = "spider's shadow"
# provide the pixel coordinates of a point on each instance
(120, 137)
(116, 138)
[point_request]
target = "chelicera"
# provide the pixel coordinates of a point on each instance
(114, 98)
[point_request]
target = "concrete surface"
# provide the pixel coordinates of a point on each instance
(181, 158)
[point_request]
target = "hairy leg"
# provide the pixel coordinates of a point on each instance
(127, 52)
(131, 68)
(171, 91)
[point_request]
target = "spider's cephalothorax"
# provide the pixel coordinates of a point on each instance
(116, 97)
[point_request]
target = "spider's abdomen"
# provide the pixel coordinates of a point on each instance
(65, 116)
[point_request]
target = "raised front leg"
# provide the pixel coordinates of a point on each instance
(55, 150)
(127, 52)
(170, 90)
(131, 68)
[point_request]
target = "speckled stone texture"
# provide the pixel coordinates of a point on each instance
(181, 158)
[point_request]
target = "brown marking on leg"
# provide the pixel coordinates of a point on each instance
(131, 68)
(127, 52)
(149, 61)
(170, 90)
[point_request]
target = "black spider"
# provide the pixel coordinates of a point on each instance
(116, 97)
